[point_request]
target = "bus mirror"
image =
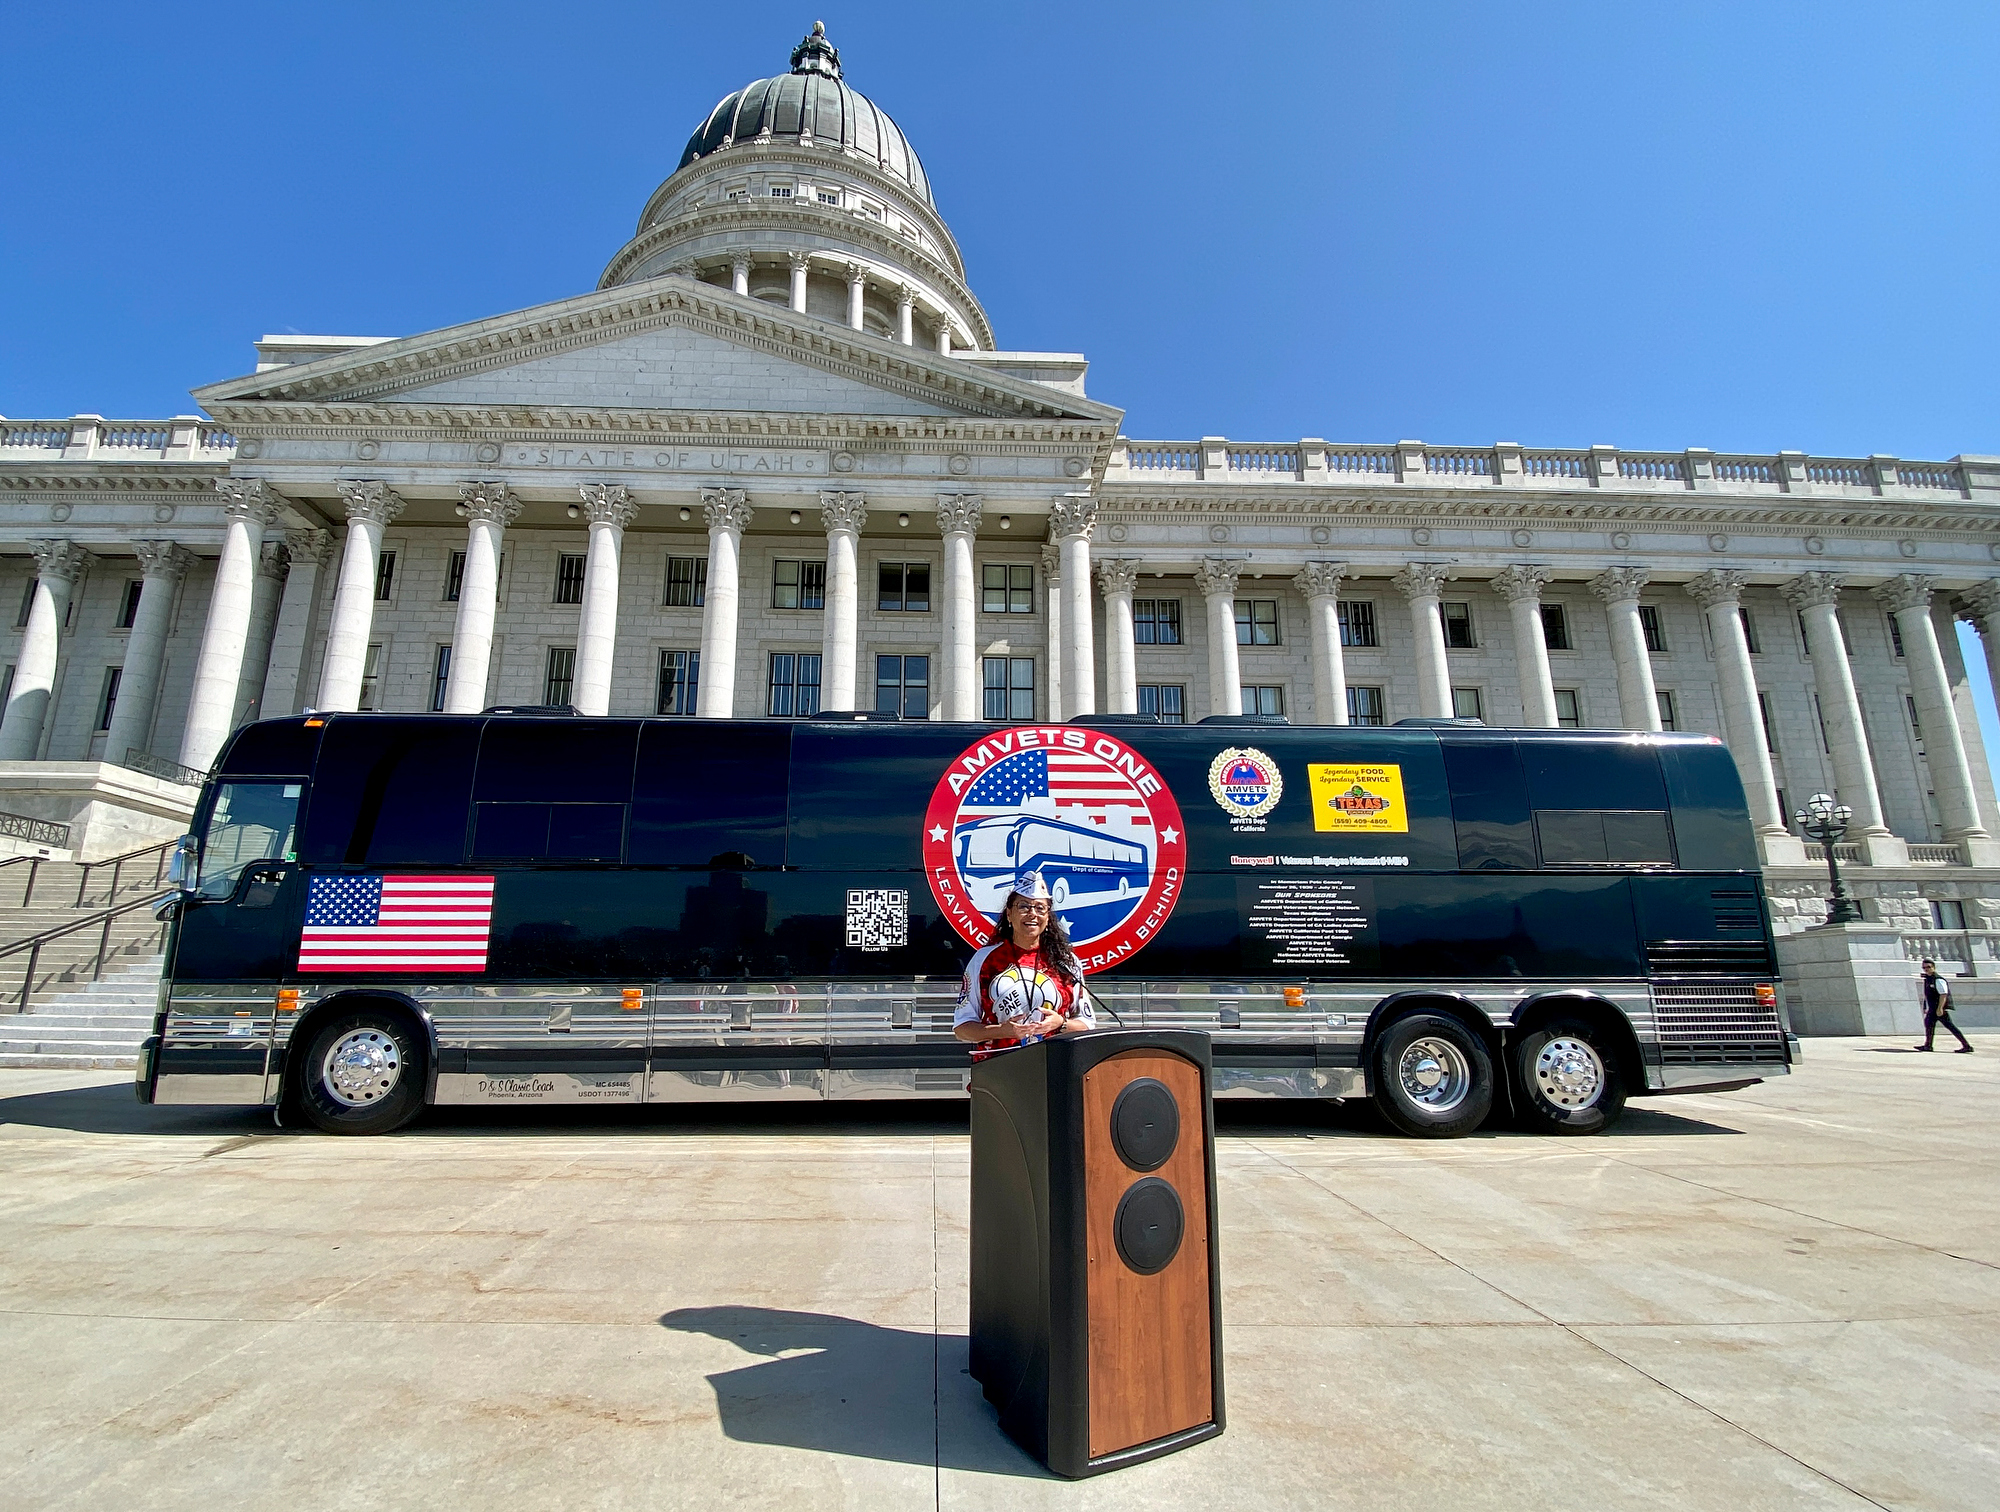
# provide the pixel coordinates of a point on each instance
(181, 865)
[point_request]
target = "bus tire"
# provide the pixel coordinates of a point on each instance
(1433, 1077)
(363, 1073)
(1570, 1079)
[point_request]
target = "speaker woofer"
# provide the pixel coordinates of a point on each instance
(1145, 1124)
(1147, 1227)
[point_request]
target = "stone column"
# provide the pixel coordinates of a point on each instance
(1979, 607)
(1071, 520)
(1720, 594)
(58, 564)
(1521, 586)
(906, 307)
(857, 289)
(1908, 597)
(609, 508)
(298, 610)
(1216, 578)
(1816, 595)
(728, 512)
(944, 336)
(800, 261)
(274, 566)
(739, 282)
(162, 564)
(1638, 702)
(371, 507)
(842, 515)
(1052, 596)
(1320, 583)
(1117, 578)
(1422, 583)
(252, 506)
(489, 508)
(958, 518)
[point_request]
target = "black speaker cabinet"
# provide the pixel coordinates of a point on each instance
(1096, 1306)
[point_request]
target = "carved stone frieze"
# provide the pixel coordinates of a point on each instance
(1811, 589)
(1909, 590)
(1117, 575)
(1072, 515)
(274, 560)
(1979, 606)
(1317, 580)
(1719, 587)
(249, 499)
(59, 561)
(842, 511)
(1620, 585)
(1216, 577)
(726, 509)
(1521, 583)
(163, 559)
(1422, 580)
(369, 499)
(493, 502)
(959, 514)
(608, 504)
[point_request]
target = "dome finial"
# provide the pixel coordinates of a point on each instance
(816, 55)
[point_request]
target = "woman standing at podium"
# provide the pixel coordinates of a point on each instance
(1025, 984)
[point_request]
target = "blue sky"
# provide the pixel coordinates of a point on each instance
(1744, 226)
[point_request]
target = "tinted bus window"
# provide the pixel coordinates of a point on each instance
(390, 792)
(552, 790)
(249, 821)
(1612, 773)
(1489, 804)
(710, 795)
(280, 749)
(1711, 818)
(859, 794)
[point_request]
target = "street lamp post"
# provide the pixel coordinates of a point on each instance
(1825, 821)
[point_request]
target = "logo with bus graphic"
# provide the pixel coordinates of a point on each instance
(1079, 806)
(1245, 782)
(1358, 798)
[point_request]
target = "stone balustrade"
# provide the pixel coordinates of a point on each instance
(92, 438)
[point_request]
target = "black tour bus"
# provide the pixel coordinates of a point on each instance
(381, 911)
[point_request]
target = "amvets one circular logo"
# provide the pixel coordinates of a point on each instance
(1245, 782)
(1079, 806)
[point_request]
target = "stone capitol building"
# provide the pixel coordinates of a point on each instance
(778, 461)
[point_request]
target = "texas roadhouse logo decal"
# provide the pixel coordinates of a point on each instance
(1079, 806)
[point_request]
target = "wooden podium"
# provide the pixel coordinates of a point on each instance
(1096, 1304)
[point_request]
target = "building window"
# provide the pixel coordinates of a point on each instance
(781, 191)
(1167, 700)
(371, 668)
(109, 702)
(1895, 635)
(1749, 630)
(1569, 712)
(1819, 713)
(1010, 688)
(1555, 628)
(1764, 713)
(1665, 700)
(128, 609)
(1457, 626)
(1156, 622)
(1649, 626)
(1465, 704)
(1916, 725)
(1256, 622)
(687, 582)
(798, 585)
(385, 576)
(1947, 913)
(569, 579)
(1006, 590)
(1364, 707)
(440, 678)
(903, 587)
(27, 603)
(561, 676)
(1839, 619)
(1268, 701)
(454, 577)
(1357, 623)
(903, 686)
(794, 685)
(680, 678)
(829, 197)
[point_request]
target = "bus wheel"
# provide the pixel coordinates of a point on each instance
(1569, 1079)
(362, 1073)
(1433, 1077)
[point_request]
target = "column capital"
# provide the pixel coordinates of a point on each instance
(726, 509)
(490, 501)
(1809, 590)
(368, 499)
(1979, 604)
(740, 262)
(1052, 563)
(1422, 579)
(906, 297)
(1620, 585)
(857, 273)
(1521, 583)
(249, 499)
(1909, 590)
(799, 260)
(1317, 580)
(959, 514)
(1718, 588)
(163, 559)
(1072, 515)
(608, 504)
(1216, 577)
(842, 511)
(59, 561)
(1117, 575)
(274, 560)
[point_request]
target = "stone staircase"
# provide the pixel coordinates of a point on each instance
(70, 959)
(95, 1027)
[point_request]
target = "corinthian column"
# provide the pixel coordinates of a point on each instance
(1071, 520)
(252, 506)
(1979, 607)
(1908, 597)
(800, 261)
(1521, 586)
(1116, 579)
(1422, 583)
(1216, 578)
(1816, 596)
(162, 565)
(1320, 583)
(1720, 594)
(958, 518)
(312, 552)
(1638, 702)
(610, 508)
(842, 515)
(728, 512)
(274, 566)
(489, 508)
(371, 506)
(58, 564)
(1052, 596)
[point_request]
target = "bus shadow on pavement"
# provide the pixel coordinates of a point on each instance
(837, 1386)
(112, 1109)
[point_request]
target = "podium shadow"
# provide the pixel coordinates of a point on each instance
(838, 1386)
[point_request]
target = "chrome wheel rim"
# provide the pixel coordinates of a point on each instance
(1434, 1074)
(362, 1067)
(1569, 1073)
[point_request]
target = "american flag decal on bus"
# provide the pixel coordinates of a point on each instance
(388, 923)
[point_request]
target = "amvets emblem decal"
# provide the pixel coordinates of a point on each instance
(1245, 782)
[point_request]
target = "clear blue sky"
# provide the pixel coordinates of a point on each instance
(1746, 226)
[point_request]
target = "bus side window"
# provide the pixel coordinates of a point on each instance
(710, 794)
(390, 792)
(1489, 805)
(1598, 802)
(1711, 816)
(552, 790)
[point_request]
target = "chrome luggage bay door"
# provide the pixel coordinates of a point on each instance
(738, 1042)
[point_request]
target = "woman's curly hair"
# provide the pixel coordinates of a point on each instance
(1055, 947)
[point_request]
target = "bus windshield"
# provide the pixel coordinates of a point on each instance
(251, 821)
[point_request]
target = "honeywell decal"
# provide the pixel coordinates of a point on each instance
(1079, 806)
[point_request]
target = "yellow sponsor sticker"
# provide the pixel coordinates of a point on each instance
(1353, 798)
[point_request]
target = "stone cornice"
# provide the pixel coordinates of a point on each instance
(97, 479)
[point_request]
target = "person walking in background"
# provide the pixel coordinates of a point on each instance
(1937, 1010)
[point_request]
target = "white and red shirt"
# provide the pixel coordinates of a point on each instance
(1004, 984)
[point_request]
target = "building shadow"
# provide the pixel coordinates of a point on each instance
(837, 1386)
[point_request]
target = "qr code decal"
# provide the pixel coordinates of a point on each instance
(878, 918)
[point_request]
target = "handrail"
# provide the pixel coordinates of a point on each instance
(147, 763)
(35, 831)
(34, 870)
(117, 865)
(34, 943)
